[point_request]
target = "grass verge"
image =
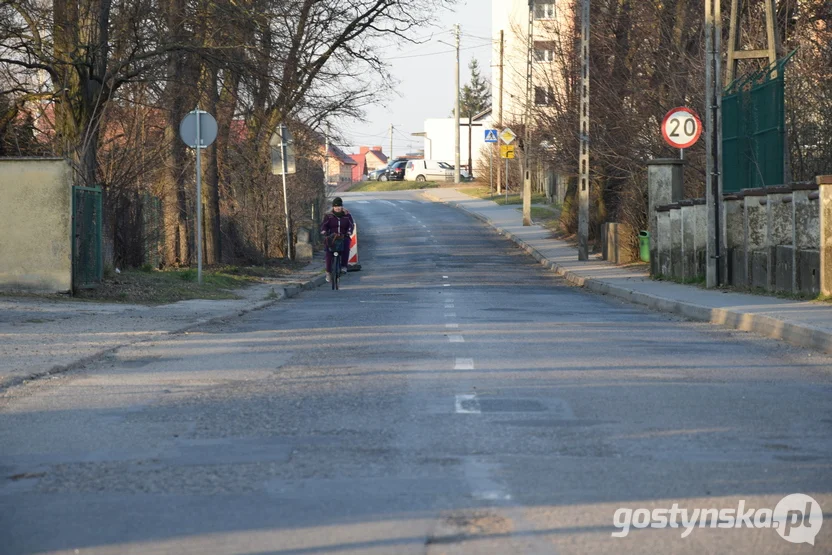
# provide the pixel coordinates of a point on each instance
(169, 286)
(371, 186)
(484, 193)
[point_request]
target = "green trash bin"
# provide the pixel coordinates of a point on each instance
(644, 245)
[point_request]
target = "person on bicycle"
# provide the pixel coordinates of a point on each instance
(337, 222)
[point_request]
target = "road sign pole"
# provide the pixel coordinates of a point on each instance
(491, 171)
(198, 199)
(491, 138)
(198, 130)
(506, 187)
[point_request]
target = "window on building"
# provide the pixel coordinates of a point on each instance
(544, 10)
(544, 96)
(544, 51)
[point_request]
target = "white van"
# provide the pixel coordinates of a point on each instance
(428, 170)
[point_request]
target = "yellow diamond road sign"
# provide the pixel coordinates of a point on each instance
(507, 136)
(507, 151)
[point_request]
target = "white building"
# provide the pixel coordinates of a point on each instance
(439, 140)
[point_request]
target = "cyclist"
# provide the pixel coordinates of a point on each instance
(337, 222)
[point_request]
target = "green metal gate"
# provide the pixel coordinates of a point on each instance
(754, 129)
(87, 262)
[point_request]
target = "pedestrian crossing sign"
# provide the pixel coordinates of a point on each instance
(490, 135)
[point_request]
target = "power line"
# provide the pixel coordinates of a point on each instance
(437, 53)
(490, 39)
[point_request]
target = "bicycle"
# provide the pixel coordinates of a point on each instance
(335, 244)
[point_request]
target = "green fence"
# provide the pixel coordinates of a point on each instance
(754, 129)
(87, 262)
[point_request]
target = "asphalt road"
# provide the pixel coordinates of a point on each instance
(453, 397)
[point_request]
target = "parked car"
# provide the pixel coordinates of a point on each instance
(427, 170)
(376, 174)
(463, 173)
(395, 172)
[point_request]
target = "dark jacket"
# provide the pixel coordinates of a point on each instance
(341, 224)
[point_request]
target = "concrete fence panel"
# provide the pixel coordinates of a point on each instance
(35, 225)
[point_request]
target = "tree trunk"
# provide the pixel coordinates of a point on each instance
(174, 205)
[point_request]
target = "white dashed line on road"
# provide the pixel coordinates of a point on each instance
(464, 364)
(449, 305)
(456, 339)
(452, 326)
(450, 314)
(446, 285)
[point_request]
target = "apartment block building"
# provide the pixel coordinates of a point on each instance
(552, 19)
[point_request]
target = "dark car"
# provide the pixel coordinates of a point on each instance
(395, 172)
(375, 175)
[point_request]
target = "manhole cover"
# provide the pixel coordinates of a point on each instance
(510, 405)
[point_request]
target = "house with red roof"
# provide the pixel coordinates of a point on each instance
(369, 158)
(340, 167)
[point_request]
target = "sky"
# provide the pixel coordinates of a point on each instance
(426, 79)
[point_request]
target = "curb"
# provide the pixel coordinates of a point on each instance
(285, 293)
(799, 335)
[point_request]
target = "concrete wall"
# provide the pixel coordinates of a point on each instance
(735, 238)
(780, 226)
(665, 182)
(805, 241)
(35, 220)
(756, 238)
(824, 183)
(676, 254)
(773, 238)
(660, 244)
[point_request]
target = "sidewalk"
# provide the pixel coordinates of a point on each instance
(804, 324)
(40, 336)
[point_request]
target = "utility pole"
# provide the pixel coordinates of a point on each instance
(714, 266)
(456, 109)
(736, 53)
(527, 143)
(391, 141)
(583, 183)
(470, 124)
(284, 151)
(470, 160)
(500, 112)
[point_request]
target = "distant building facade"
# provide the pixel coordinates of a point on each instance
(552, 19)
(439, 139)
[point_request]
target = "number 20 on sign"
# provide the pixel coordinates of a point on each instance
(681, 127)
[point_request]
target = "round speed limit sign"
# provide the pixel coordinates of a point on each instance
(681, 127)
